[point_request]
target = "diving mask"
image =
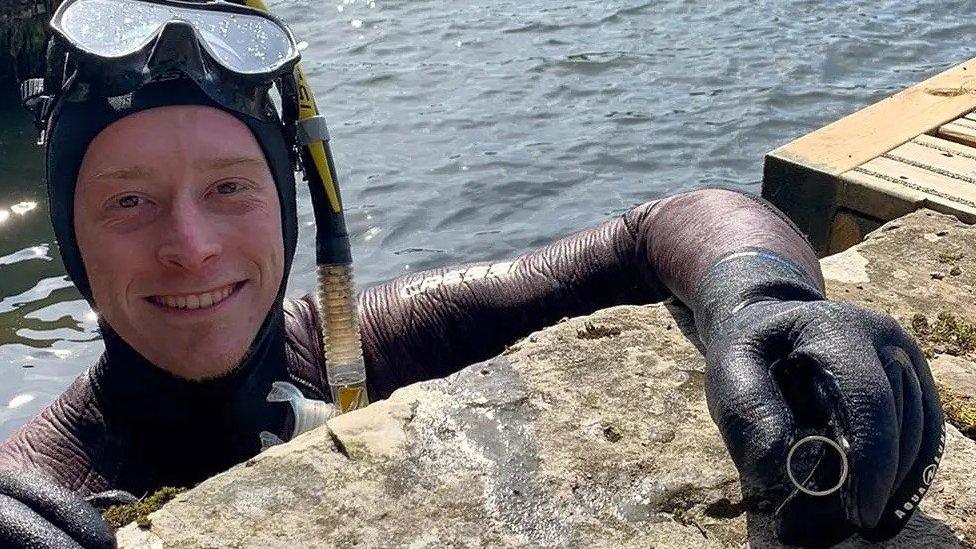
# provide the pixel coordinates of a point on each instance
(242, 40)
(110, 48)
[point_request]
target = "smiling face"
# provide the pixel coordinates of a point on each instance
(179, 226)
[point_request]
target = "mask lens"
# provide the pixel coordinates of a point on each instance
(110, 28)
(247, 44)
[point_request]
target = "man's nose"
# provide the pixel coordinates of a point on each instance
(189, 241)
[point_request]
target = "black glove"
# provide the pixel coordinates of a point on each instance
(782, 364)
(37, 513)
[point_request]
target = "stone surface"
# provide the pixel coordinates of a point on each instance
(593, 432)
(891, 269)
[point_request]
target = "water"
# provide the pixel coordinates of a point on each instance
(480, 130)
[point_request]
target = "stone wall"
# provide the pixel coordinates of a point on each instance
(590, 433)
(22, 38)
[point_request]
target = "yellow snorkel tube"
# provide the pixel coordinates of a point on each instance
(344, 365)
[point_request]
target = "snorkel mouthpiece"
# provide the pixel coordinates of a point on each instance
(308, 413)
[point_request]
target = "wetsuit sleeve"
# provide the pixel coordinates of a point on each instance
(63, 442)
(433, 323)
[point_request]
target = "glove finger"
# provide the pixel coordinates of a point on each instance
(813, 521)
(908, 396)
(746, 405)
(905, 498)
(865, 411)
(58, 506)
(103, 500)
(804, 519)
(21, 527)
(759, 407)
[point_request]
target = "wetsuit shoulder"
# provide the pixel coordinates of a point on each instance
(303, 347)
(66, 442)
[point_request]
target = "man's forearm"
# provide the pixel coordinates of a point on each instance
(433, 323)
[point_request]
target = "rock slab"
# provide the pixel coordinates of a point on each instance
(591, 433)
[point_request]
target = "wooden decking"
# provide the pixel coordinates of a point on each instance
(914, 149)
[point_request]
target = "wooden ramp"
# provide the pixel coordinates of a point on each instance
(914, 149)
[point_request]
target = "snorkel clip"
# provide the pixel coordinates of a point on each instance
(312, 129)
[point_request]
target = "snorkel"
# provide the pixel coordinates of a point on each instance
(344, 365)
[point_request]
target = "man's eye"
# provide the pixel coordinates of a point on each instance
(229, 187)
(130, 201)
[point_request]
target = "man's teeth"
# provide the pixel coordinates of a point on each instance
(195, 301)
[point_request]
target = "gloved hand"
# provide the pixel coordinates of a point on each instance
(782, 363)
(37, 513)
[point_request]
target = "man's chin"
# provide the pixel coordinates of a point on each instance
(202, 370)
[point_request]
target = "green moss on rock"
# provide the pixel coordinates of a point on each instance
(120, 515)
(948, 335)
(959, 411)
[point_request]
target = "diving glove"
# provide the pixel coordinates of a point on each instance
(37, 513)
(782, 364)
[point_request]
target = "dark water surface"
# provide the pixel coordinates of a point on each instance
(479, 130)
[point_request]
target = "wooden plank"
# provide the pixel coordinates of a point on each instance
(880, 164)
(873, 195)
(848, 229)
(874, 130)
(919, 174)
(945, 145)
(805, 195)
(964, 122)
(939, 156)
(925, 186)
(955, 131)
(966, 214)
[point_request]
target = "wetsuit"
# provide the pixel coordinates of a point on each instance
(126, 426)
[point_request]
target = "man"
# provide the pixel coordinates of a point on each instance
(175, 216)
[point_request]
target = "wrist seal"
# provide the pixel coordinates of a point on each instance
(746, 276)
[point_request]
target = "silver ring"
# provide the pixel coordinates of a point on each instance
(843, 465)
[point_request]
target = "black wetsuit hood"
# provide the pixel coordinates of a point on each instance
(227, 412)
